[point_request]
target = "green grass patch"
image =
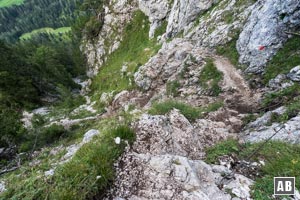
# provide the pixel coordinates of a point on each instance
(282, 159)
(224, 148)
(58, 32)
(135, 50)
(228, 16)
(7, 3)
(190, 112)
(172, 88)
(229, 50)
(210, 78)
(284, 60)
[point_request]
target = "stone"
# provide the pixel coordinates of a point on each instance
(88, 136)
(280, 82)
(2, 187)
(290, 133)
(265, 119)
(294, 74)
(165, 161)
(49, 172)
(240, 186)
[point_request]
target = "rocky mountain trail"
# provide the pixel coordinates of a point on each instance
(165, 161)
(166, 144)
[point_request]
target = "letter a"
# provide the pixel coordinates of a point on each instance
(280, 187)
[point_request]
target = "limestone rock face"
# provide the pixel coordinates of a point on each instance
(265, 31)
(117, 15)
(178, 56)
(175, 134)
(184, 12)
(156, 10)
(289, 133)
(219, 25)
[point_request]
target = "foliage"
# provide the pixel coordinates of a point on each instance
(86, 176)
(191, 113)
(161, 29)
(46, 13)
(284, 60)
(6, 3)
(28, 72)
(210, 78)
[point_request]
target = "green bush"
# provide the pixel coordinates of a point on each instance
(93, 27)
(51, 134)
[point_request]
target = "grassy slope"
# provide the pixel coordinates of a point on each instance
(48, 30)
(7, 3)
(134, 51)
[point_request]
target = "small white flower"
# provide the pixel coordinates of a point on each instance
(262, 162)
(98, 177)
(117, 140)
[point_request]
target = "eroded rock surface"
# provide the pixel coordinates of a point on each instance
(164, 162)
(117, 15)
(265, 31)
(287, 132)
(156, 10)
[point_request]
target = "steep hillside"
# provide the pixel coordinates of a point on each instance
(30, 15)
(184, 99)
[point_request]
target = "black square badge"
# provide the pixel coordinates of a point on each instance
(284, 186)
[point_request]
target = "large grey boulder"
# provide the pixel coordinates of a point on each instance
(290, 133)
(265, 31)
